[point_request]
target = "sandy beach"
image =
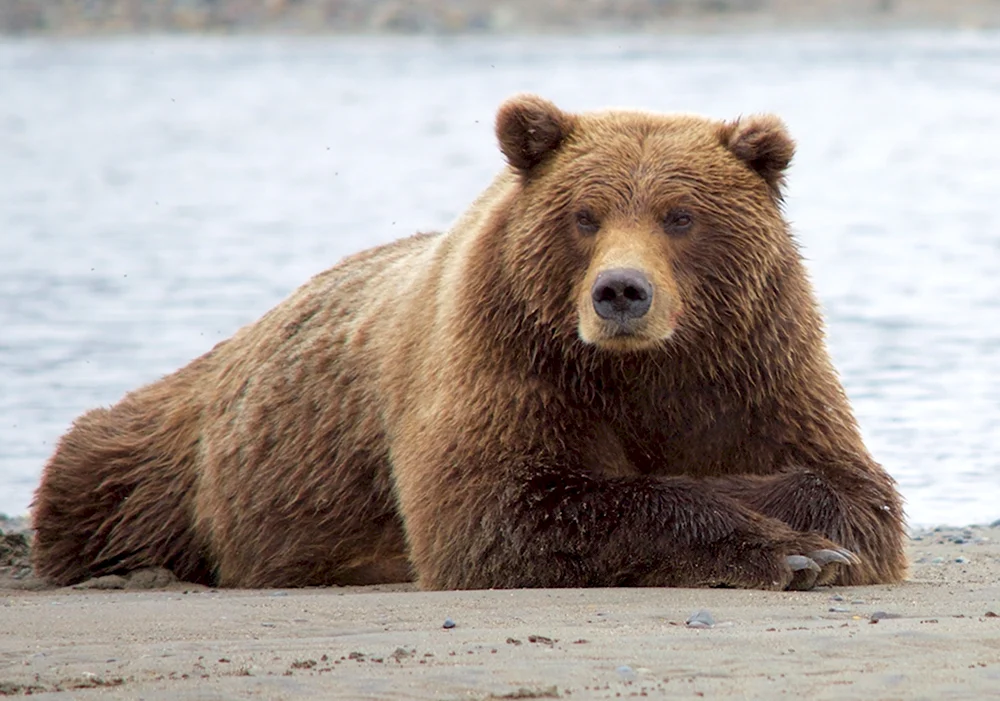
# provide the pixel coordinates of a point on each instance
(937, 636)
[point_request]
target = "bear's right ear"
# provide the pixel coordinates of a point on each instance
(530, 129)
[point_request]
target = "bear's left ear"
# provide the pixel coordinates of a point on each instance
(530, 129)
(763, 143)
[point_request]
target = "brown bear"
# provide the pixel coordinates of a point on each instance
(611, 371)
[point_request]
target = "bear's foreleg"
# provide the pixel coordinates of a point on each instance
(531, 524)
(856, 506)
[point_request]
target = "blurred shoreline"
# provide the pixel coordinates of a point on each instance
(113, 17)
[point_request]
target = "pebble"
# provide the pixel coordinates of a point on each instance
(836, 597)
(961, 560)
(111, 581)
(858, 602)
(701, 619)
(937, 560)
(448, 623)
(150, 578)
(839, 609)
(626, 673)
(879, 615)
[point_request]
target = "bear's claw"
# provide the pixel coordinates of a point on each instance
(801, 562)
(819, 567)
(825, 557)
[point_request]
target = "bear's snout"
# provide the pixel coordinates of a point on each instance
(622, 294)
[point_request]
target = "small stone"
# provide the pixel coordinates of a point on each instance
(839, 609)
(626, 673)
(28, 583)
(150, 578)
(701, 619)
(961, 560)
(880, 615)
(279, 593)
(858, 602)
(836, 597)
(111, 581)
(401, 653)
(542, 639)
(937, 560)
(448, 624)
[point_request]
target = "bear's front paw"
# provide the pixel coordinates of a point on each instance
(818, 567)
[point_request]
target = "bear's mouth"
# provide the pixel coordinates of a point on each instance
(623, 337)
(621, 332)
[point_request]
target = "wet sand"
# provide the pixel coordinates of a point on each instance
(937, 636)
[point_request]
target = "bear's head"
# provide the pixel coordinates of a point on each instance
(630, 229)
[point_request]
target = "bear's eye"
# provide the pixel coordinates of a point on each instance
(678, 222)
(586, 223)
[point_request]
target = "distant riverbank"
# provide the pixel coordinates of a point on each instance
(72, 17)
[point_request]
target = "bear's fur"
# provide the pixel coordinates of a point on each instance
(456, 408)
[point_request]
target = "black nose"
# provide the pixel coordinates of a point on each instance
(621, 294)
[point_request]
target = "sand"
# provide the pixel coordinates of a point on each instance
(937, 636)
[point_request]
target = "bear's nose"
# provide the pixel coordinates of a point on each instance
(621, 294)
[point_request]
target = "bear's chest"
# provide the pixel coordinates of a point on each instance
(682, 439)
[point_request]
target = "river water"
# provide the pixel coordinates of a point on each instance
(157, 194)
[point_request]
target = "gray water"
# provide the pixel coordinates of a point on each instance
(155, 195)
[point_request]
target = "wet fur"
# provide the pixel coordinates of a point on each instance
(428, 409)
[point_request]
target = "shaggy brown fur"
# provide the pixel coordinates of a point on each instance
(452, 407)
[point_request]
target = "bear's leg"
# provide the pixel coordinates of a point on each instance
(116, 496)
(858, 507)
(525, 523)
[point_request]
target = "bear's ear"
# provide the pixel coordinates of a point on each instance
(530, 129)
(763, 143)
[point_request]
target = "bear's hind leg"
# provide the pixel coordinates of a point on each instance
(116, 495)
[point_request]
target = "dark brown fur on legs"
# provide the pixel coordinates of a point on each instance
(610, 371)
(117, 494)
(859, 511)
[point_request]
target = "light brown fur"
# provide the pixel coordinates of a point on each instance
(450, 407)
